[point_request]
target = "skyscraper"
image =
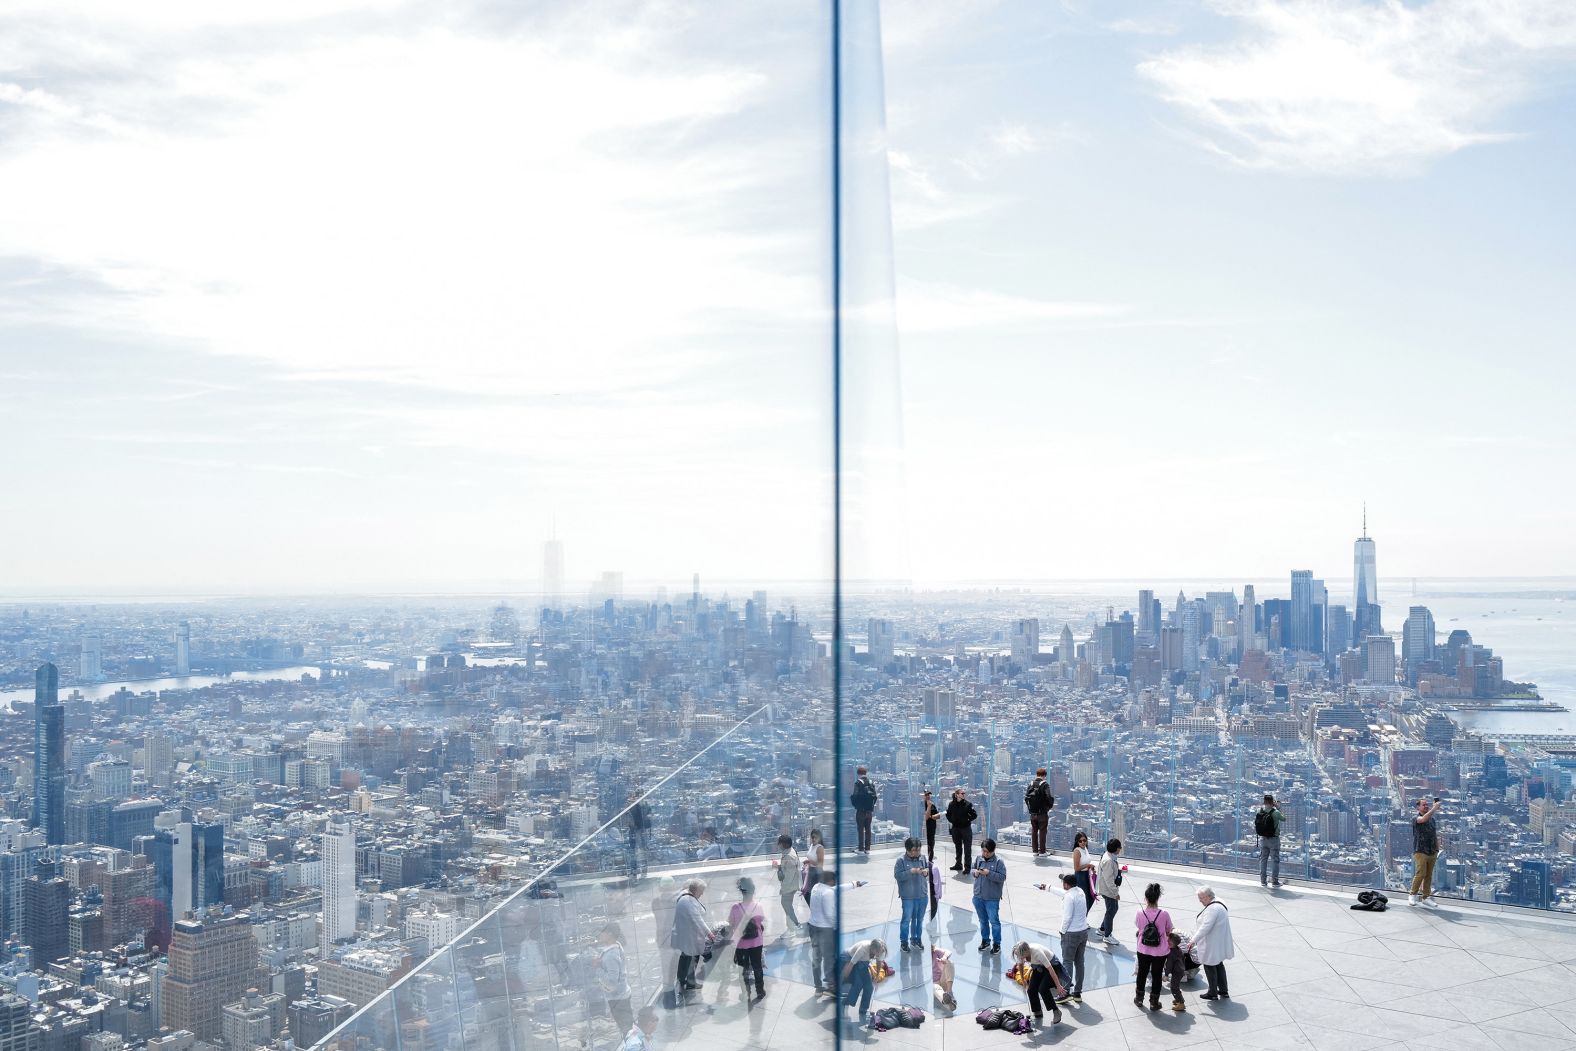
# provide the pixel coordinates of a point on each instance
(1417, 638)
(1245, 620)
(880, 640)
(1065, 649)
(46, 901)
(183, 649)
(553, 574)
(188, 868)
(1302, 611)
(49, 756)
(1148, 629)
(339, 881)
(1365, 585)
(1379, 659)
(1190, 636)
(1025, 640)
(92, 666)
(212, 962)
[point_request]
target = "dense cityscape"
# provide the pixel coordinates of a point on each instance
(230, 825)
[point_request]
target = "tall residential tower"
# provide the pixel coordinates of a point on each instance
(49, 756)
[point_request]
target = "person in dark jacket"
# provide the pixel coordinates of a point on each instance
(864, 799)
(961, 815)
(1176, 970)
(1037, 799)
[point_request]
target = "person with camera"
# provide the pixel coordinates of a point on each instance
(1425, 851)
(1038, 801)
(990, 876)
(911, 871)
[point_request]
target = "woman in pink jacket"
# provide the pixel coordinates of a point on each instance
(747, 921)
(1154, 944)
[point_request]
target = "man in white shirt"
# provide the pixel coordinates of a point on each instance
(1075, 935)
(823, 931)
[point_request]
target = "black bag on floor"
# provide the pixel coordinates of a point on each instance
(1371, 901)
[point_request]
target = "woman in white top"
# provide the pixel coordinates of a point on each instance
(814, 862)
(1083, 867)
(1044, 986)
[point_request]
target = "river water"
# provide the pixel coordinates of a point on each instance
(99, 691)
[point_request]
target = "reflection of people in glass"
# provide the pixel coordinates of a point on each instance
(710, 848)
(612, 976)
(747, 922)
(637, 825)
(663, 901)
(641, 1034)
(814, 862)
(788, 876)
(691, 934)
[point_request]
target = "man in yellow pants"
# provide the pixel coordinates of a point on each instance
(1425, 851)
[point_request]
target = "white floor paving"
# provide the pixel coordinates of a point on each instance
(1308, 973)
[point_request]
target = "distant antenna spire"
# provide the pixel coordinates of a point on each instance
(1365, 519)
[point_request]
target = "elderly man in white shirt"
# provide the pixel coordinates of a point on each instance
(823, 931)
(1075, 935)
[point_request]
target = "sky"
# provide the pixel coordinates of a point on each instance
(372, 296)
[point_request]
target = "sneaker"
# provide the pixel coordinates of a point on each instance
(1278, 883)
(957, 868)
(905, 946)
(984, 946)
(1209, 996)
(1264, 883)
(1430, 902)
(1056, 1017)
(1076, 1000)
(1039, 1020)
(1064, 998)
(995, 950)
(1412, 899)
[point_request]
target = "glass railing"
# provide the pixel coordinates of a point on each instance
(1186, 794)
(568, 959)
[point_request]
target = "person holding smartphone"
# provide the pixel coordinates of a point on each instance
(1425, 851)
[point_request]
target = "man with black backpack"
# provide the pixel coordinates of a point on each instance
(1267, 826)
(864, 800)
(1037, 799)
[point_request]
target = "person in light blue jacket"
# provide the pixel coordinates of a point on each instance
(990, 876)
(912, 873)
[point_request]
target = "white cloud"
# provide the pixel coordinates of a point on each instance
(924, 306)
(1349, 86)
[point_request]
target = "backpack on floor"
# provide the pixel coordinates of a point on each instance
(886, 1018)
(990, 1018)
(1016, 1022)
(1371, 901)
(910, 1017)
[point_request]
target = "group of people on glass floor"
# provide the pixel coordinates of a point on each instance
(1163, 954)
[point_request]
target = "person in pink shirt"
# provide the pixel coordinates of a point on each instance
(1154, 944)
(747, 921)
